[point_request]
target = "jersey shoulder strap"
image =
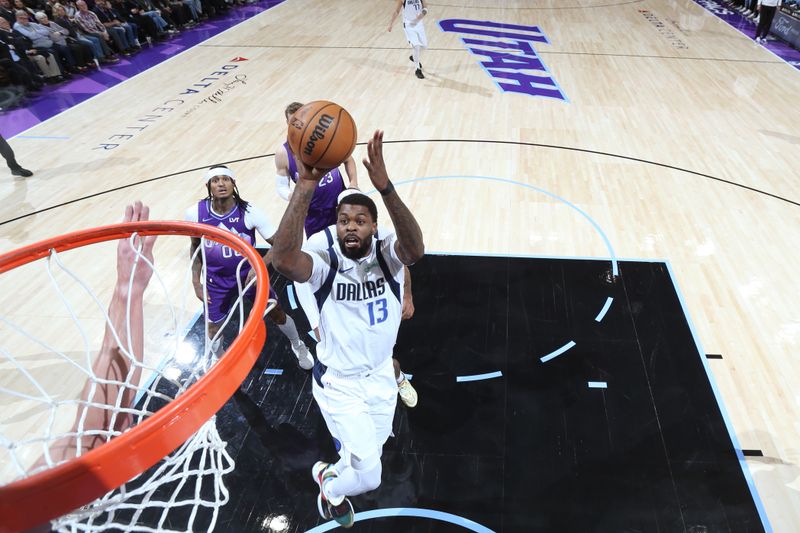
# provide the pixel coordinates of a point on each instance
(325, 290)
(329, 235)
(292, 162)
(393, 284)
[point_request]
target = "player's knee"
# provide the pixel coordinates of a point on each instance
(371, 479)
(369, 472)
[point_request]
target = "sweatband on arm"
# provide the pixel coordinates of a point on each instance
(282, 184)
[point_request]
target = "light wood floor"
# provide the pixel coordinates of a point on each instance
(651, 145)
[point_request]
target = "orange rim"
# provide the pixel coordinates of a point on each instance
(36, 499)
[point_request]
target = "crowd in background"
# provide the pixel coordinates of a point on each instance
(762, 13)
(50, 41)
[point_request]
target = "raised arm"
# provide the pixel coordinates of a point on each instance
(351, 169)
(287, 257)
(111, 364)
(116, 367)
(410, 247)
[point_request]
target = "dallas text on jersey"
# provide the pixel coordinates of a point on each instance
(360, 291)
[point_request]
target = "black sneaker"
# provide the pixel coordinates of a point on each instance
(419, 74)
(19, 171)
(411, 58)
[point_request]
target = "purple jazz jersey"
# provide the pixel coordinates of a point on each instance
(322, 211)
(221, 260)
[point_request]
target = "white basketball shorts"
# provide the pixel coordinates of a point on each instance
(415, 33)
(358, 410)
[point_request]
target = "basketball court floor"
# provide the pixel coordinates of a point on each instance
(607, 318)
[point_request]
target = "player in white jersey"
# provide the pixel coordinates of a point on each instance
(321, 241)
(358, 283)
(413, 13)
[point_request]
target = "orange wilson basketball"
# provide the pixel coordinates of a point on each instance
(322, 134)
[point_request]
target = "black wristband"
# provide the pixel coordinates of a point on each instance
(388, 190)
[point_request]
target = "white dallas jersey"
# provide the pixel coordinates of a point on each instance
(411, 10)
(359, 301)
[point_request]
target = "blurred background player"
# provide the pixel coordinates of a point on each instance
(413, 13)
(322, 211)
(226, 209)
(358, 289)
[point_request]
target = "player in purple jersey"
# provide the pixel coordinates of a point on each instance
(322, 211)
(224, 208)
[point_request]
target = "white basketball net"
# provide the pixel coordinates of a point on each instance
(185, 490)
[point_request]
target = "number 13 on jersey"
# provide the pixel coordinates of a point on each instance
(377, 311)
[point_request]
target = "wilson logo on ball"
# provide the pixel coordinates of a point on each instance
(318, 134)
(321, 134)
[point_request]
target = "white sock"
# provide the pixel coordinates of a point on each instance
(416, 54)
(352, 482)
(215, 346)
(290, 330)
(400, 378)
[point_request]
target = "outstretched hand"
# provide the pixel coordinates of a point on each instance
(127, 249)
(374, 163)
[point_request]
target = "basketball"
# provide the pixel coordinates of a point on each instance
(322, 134)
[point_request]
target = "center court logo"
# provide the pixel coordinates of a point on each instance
(662, 28)
(510, 58)
(164, 109)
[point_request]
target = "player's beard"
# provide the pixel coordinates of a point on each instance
(355, 253)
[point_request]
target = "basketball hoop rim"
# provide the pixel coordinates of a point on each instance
(36, 499)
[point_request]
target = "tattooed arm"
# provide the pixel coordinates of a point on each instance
(410, 247)
(287, 257)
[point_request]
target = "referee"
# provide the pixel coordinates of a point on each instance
(8, 155)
